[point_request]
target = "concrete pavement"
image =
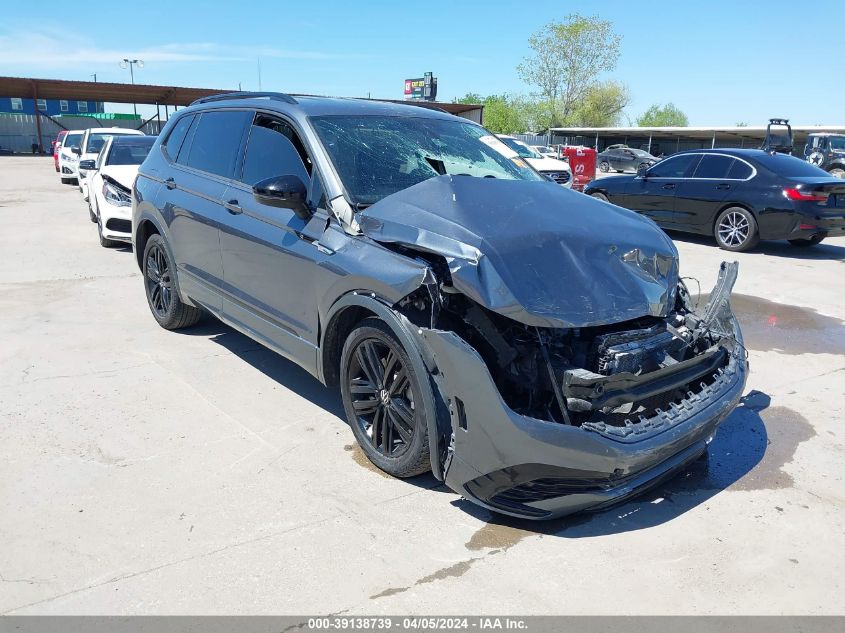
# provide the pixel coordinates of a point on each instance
(151, 472)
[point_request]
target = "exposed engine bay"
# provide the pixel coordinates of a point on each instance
(607, 378)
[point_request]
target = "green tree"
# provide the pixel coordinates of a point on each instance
(503, 114)
(668, 115)
(602, 105)
(566, 59)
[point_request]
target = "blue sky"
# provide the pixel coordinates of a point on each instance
(721, 62)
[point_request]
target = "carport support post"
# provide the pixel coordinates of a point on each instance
(37, 117)
(649, 142)
(713, 144)
(158, 119)
(597, 141)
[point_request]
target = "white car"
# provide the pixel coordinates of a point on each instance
(69, 156)
(557, 170)
(545, 150)
(111, 178)
(92, 142)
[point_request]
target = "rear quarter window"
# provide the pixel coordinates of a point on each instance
(177, 135)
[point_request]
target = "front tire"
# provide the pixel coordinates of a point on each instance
(599, 196)
(837, 172)
(802, 243)
(383, 398)
(736, 230)
(160, 284)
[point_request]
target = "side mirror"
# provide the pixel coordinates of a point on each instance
(75, 149)
(88, 164)
(642, 171)
(285, 192)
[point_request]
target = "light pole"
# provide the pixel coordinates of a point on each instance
(130, 63)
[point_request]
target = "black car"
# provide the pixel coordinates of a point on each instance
(739, 196)
(533, 347)
(624, 159)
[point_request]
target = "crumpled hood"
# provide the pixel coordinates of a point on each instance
(534, 251)
(123, 174)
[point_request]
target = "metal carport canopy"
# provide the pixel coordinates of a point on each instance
(751, 133)
(101, 91)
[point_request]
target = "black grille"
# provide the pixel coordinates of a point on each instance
(550, 488)
(560, 177)
(121, 226)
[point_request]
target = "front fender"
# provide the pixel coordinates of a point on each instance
(402, 329)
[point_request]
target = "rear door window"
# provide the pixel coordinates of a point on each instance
(216, 142)
(713, 166)
(674, 166)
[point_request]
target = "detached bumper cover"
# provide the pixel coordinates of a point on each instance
(533, 468)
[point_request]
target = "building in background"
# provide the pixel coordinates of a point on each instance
(52, 107)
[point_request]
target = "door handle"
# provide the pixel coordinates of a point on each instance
(668, 185)
(723, 186)
(170, 183)
(233, 207)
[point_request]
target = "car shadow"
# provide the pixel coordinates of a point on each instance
(739, 445)
(297, 380)
(777, 248)
(737, 448)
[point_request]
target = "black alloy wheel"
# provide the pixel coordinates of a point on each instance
(159, 283)
(160, 286)
(382, 397)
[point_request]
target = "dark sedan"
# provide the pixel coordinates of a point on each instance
(739, 196)
(624, 159)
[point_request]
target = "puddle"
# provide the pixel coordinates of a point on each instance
(770, 326)
(360, 458)
(748, 453)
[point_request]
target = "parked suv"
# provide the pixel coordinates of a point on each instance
(533, 347)
(826, 151)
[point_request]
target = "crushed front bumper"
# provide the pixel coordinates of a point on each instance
(525, 467)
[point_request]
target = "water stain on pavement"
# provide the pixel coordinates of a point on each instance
(770, 326)
(361, 459)
(452, 571)
(498, 536)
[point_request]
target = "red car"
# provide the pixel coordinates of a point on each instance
(56, 145)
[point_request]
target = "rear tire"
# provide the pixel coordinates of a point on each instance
(599, 196)
(384, 400)
(66, 181)
(736, 230)
(816, 239)
(159, 272)
(91, 214)
(604, 166)
(837, 172)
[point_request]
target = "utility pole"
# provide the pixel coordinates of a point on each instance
(131, 63)
(94, 75)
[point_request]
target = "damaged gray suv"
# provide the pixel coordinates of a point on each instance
(532, 347)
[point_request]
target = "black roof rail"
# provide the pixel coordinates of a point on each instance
(278, 96)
